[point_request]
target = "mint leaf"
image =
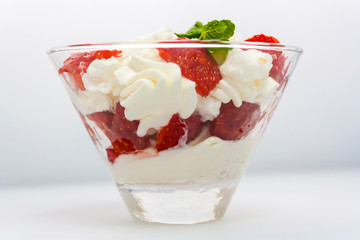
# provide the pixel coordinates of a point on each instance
(193, 32)
(217, 30)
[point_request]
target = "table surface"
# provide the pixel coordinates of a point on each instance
(294, 205)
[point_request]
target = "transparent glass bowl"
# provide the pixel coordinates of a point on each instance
(194, 180)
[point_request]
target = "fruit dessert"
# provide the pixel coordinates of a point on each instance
(187, 112)
(184, 110)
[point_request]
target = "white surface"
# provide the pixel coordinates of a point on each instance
(301, 205)
(42, 138)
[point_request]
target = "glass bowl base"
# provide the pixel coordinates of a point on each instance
(176, 204)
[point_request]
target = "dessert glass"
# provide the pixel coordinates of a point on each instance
(187, 184)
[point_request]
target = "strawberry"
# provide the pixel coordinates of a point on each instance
(196, 64)
(194, 125)
(77, 64)
(118, 147)
(122, 134)
(123, 128)
(170, 135)
(278, 71)
(233, 122)
(262, 38)
(177, 131)
(103, 120)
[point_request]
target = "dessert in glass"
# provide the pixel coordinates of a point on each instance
(175, 117)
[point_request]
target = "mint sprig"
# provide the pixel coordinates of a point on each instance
(193, 32)
(218, 30)
(221, 30)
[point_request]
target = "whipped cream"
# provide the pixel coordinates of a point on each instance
(211, 160)
(208, 108)
(152, 92)
(164, 34)
(100, 75)
(245, 77)
(100, 84)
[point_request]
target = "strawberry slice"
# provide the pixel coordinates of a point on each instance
(103, 120)
(262, 38)
(177, 131)
(118, 147)
(234, 123)
(278, 71)
(77, 64)
(196, 64)
(123, 128)
(194, 125)
(122, 135)
(170, 135)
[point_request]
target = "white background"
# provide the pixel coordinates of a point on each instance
(42, 141)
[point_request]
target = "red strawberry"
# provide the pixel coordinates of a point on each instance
(177, 129)
(103, 120)
(263, 38)
(233, 122)
(123, 137)
(196, 64)
(123, 128)
(170, 135)
(77, 64)
(118, 147)
(194, 125)
(278, 71)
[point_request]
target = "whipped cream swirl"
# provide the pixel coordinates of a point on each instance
(245, 77)
(152, 92)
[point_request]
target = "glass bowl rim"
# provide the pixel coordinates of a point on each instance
(176, 44)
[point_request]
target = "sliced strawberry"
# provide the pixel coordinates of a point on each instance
(118, 147)
(103, 120)
(122, 134)
(262, 38)
(196, 64)
(177, 131)
(233, 122)
(194, 126)
(170, 135)
(77, 64)
(278, 71)
(121, 128)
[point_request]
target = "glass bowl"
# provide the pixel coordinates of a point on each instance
(176, 122)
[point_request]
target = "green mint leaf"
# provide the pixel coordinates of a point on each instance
(218, 30)
(193, 32)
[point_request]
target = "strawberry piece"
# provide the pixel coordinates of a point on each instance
(103, 120)
(118, 147)
(233, 122)
(122, 134)
(194, 125)
(177, 131)
(77, 64)
(196, 64)
(278, 71)
(262, 38)
(170, 135)
(121, 128)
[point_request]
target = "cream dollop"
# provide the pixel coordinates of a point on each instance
(88, 102)
(245, 77)
(163, 34)
(100, 84)
(99, 76)
(152, 92)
